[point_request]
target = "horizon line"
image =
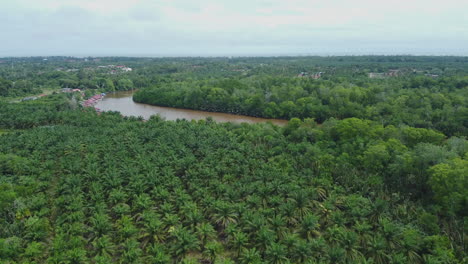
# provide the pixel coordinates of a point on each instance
(237, 55)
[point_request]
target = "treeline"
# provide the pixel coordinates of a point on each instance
(30, 75)
(19, 88)
(419, 101)
(82, 187)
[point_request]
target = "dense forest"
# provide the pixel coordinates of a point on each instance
(367, 170)
(418, 101)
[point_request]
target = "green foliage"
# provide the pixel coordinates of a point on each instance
(439, 104)
(82, 187)
(449, 182)
(10, 247)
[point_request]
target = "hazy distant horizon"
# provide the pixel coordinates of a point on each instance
(214, 55)
(248, 52)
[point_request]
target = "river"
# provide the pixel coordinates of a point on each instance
(123, 103)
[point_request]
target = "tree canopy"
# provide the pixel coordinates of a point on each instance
(80, 186)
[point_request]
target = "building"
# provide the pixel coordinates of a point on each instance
(29, 98)
(393, 73)
(432, 75)
(376, 75)
(316, 75)
(380, 75)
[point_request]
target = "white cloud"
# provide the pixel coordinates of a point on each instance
(131, 27)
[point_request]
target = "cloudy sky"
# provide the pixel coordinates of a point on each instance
(232, 27)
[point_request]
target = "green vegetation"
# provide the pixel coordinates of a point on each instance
(78, 186)
(415, 101)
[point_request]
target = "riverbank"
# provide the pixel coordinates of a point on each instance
(91, 102)
(123, 103)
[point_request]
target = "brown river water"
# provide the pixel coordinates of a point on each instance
(123, 103)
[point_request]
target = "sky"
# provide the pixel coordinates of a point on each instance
(232, 27)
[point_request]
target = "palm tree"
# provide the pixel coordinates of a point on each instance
(301, 203)
(121, 209)
(104, 246)
(379, 207)
(142, 202)
(264, 237)
(276, 254)
(363, 230)
(126, 229)
(309, 226)
(96, 192)
(336, 255)
(401, 258)
(334, 235)
(278, 224)
(117, 195)
(288, 211)
(318, 247)
(275, 201)
(223, 214)
(171, 219)
(213, 249)
(230, 230)
(98, 207)
(146, 215)
(161, 194)
(351, 246)
(153, 231)
(301, 251)
(132, 251)
(205, 231)
(76, 255)
(138, 185)
(264, 192)
(158, 254)
(390, 232)
(182, 198)
(250, 256)
(239, 241)
(411, 242)
(254, 221)
(166, 208)
(100, 224)
(290, 240)
(254, 201)
(223, 260)
(103, 259)
(184, 242)
(112, 178)
(376, 250)
(193, 217)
